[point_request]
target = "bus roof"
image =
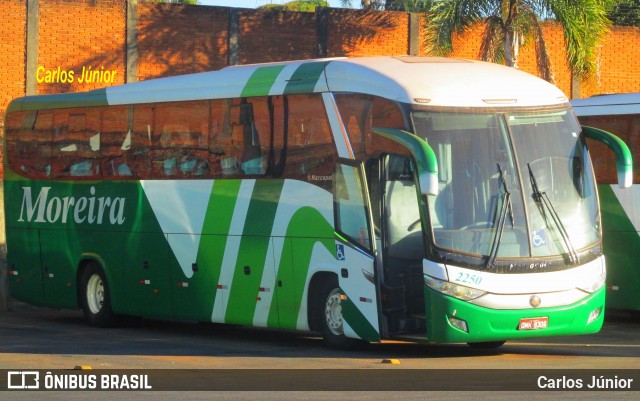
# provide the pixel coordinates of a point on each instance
(420, 80)
(603, 105)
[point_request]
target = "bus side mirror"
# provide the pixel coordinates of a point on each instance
(624, 162)
(425, 157)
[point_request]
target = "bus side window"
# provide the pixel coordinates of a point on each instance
(311, 153)
(116, 143)
(220, 135)
(27, 139)
(361, 113)
(76, 143)
(254, 123)
(227, 137)
(181, 140)
(139, 153)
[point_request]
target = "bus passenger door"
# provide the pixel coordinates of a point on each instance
(355, 252)
(403, 246)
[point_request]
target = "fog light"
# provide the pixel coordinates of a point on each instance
(458, 324)
(594, 315)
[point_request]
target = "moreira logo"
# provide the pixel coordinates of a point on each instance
(84, 209)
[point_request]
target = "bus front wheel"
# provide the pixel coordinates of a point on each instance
(329, 313)
(95, 298)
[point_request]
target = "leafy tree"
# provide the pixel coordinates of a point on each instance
(298, 5)
(512, 23)
(366, 4)
(393, 5)
(626, 12)
(190, 2)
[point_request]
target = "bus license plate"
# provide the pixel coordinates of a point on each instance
(534, 323)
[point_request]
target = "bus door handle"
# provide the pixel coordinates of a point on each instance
(247, 270)
(194, 267)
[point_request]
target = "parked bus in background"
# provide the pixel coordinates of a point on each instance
(619, 114)
(429, 199)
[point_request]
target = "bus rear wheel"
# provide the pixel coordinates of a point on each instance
(329, 313)
(95, 298)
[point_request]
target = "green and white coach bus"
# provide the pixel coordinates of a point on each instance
(429, 199)
(620, 114)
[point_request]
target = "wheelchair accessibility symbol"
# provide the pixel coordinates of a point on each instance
(538, 238)
(340, 252)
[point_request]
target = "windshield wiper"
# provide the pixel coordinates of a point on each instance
(505, 206)
(543, 201)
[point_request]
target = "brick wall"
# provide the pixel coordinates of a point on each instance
(468, 46)
(177, 39)
(619, 63)
(12, 51)
(76, 36)
(367, 33)
(271, 35)
(12, 56)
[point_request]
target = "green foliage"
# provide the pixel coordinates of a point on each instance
(366, 4)
(298, 5)
(626, 13)
(190, 2)
(511, 24)
(412, 6)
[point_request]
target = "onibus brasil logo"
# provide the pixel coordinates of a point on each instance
(83, 209)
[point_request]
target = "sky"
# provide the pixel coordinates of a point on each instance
(255, 3)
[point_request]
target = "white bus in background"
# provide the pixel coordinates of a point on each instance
(620, 115)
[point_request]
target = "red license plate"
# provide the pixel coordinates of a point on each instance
(534, 323)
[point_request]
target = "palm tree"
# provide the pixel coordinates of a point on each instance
(509, 24)
(391, 5)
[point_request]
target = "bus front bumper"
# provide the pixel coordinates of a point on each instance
(450, 320)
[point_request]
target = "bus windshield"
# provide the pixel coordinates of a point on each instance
(511, 184)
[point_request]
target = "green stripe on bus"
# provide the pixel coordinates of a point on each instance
(93, 98)
(305, 78)
(307, 227)
(211, 249)
(357, 321)
(261, 81)
(252, 253)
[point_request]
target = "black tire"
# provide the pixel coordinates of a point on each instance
(487, 344)
(95, 298)
(329, 315)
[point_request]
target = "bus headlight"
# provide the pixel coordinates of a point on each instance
(594, 285)
(454, 290)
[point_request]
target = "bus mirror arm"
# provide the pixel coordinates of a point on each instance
(425, 157)
(624, 162)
